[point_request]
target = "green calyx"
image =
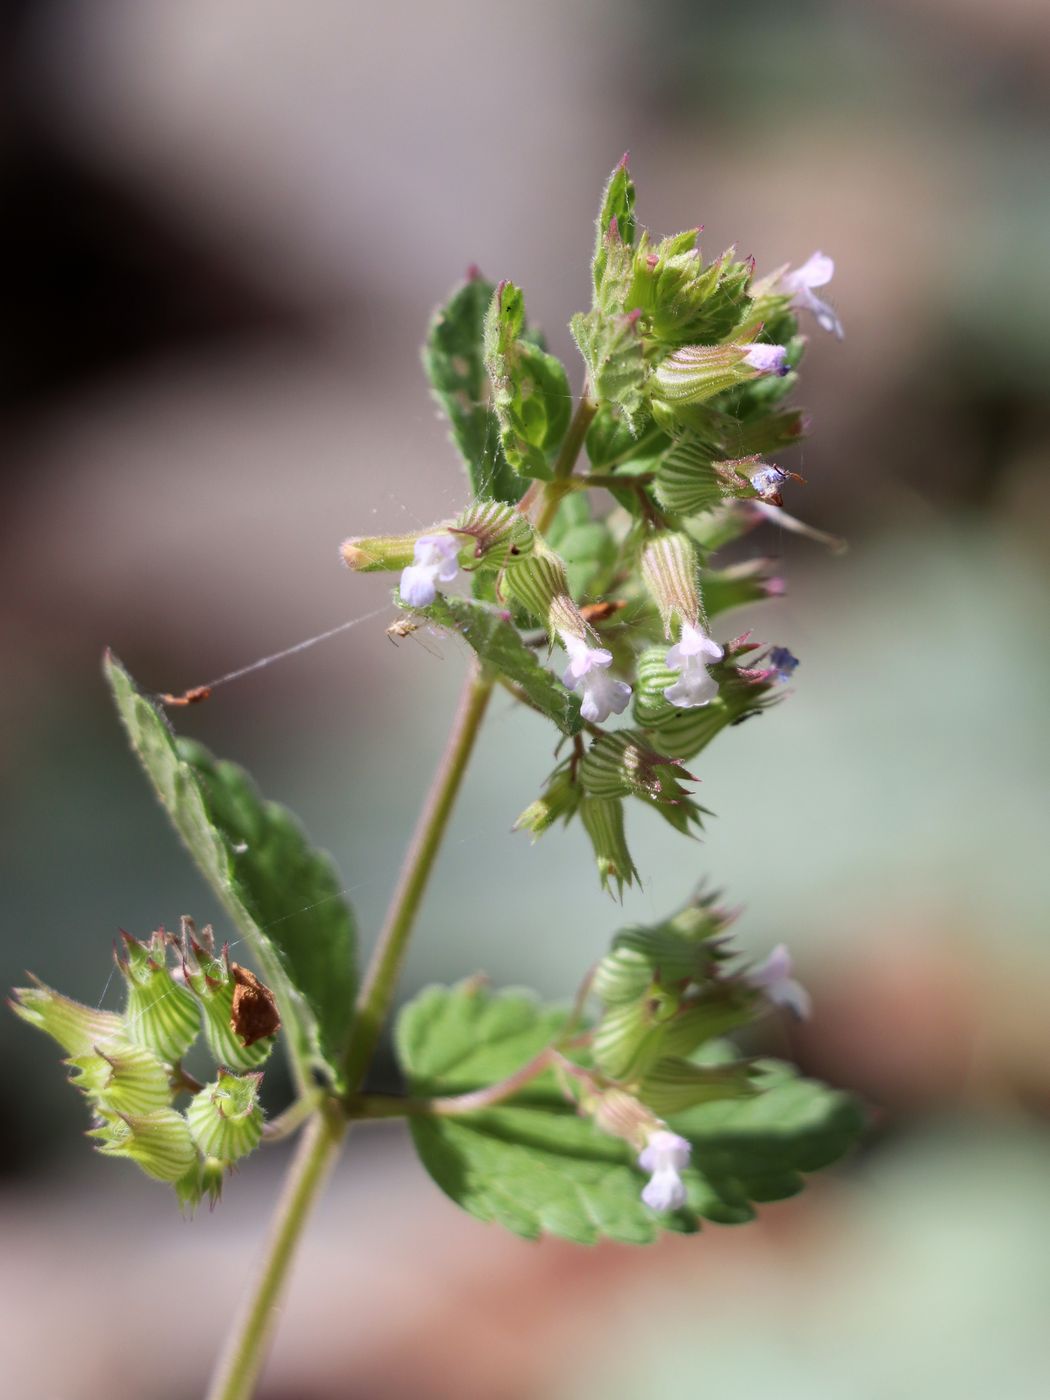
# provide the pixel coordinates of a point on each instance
(225, 1119)
(159, 1013)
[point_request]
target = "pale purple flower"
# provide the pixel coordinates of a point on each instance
(696, 651)
(436, 561)
(783, 663)
(774, 980)
(602, 694)
(816, 272)
(767, 359)
(664, 1157)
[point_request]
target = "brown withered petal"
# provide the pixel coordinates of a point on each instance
(254, 1015)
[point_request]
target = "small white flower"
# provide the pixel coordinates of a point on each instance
(436, 561)
(691, 658)
(603, 695)
(665, 1155)
(817, 271)
(774, 980)
(769, 359)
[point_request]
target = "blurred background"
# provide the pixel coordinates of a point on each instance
(226, 226)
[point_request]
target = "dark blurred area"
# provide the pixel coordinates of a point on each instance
(225, 228)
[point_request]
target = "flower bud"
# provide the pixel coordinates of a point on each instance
(603, 821)
(159, 1013)
(159, 1142)
(557, 802)
(225, 1118)
(368, 554)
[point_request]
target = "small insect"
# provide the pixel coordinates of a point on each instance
(254, 1014)
(403, 627)
(188, 697)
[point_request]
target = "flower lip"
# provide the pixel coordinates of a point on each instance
(767, 359)
(602, 695)
(816, 271)
(773, 978)
(664, 1156)
(691, 657)
(436, 561)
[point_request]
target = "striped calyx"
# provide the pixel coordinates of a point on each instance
(77, 1028)
(630, 1037)
(497, 532)
(619, 1114)
(212, 981)
(225, 1118)
(121, 1078)
(602, 819)
(672, 1084)
(538, 582)
(698, 372)
(623, 764)
(669, 572)
(662, 995)
(158, 1142)
(159, 1012)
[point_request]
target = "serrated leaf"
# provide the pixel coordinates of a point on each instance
(530, 389)
(283, 895)
(535, 1166)
(611, 344)
(500, 647)
(759, 1148)
(454, 360)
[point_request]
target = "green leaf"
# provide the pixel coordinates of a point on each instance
(283, 895)
(612, 346)
(454, 360)
(756, 1149)
(499, 646)
(534, 1165)
(617, 204)
(530, 388)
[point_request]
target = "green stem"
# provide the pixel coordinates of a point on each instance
(239, 1366)
(554, 491)
(242, 1361)
(377, 990)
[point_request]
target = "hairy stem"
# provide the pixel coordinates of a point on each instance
(454, 1105)
(377, 989)
(239, 1366)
